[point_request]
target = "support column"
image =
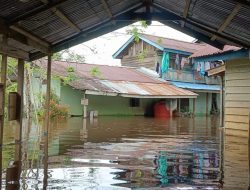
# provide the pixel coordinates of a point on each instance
(194, 106)
(222, 101)
(47, 122)
(2, 105)
(18, 133)
(207, 104)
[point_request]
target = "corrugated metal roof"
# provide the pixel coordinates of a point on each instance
(203, 20)
(210, 50)
(122, 81)
(174, 44)
(192, 86)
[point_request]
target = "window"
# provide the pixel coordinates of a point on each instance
(134, 102)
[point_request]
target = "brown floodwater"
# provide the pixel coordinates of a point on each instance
(127, 153)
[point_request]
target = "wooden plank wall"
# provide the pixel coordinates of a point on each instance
(236, 163)
(237, 98)
(131, 56)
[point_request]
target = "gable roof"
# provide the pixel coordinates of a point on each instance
(36, 28)
(163, 44)
(114, 81)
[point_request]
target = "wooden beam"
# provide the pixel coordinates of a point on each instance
(30, 35)
(18, 132)
(106, 7)
(65, 19)
(228, 20)
(47, 122)
(185, 12)
(13, 52)
(36, 11)
(20, 38)
(2, 101)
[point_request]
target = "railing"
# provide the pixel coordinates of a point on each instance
(188, 76)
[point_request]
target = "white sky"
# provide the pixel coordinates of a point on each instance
(108, 44)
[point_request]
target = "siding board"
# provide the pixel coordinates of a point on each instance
(237, 98)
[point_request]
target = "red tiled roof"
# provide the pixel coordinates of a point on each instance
(174, 44)
(210, 50)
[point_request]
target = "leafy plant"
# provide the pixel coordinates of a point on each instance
(95, 71)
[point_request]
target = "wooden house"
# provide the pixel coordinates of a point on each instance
(147, 51)
(236, 84)
(111, 90)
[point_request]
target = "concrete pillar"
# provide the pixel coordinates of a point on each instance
(207, 104)
(194, 106)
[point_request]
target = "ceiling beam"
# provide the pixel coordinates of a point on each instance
(23, 39)
(224, 37)
(65, 19)
(35, 11)
(228, 20)
(185, 12)
(106, 7)
(29, 35)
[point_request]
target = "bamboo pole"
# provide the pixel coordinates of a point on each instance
(47, 122)
(2, 105)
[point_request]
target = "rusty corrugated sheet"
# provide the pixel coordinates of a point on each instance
(119, 80)
(174, 44)
(210, 50)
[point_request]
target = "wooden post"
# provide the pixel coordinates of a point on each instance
(2, 105)
(194, 106)
(47, 122)
(18, 132)
(222, 102)
(171, 109)
(207, 104)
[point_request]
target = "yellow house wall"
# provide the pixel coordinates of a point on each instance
(237, 98)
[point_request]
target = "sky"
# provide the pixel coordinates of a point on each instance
(100, 50)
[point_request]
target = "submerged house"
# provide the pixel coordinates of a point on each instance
(112, 90)
(236, 82)
(170, 59)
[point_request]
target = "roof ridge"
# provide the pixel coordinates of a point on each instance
(172, 39)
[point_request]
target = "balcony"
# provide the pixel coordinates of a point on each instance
(189, 76)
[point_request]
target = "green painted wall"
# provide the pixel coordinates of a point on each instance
(105, 105)
(200, 106)
(72, 97)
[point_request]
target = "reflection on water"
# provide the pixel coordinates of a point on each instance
(129, 153)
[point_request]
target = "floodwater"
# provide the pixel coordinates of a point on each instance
(112, 153)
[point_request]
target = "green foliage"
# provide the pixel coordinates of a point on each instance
(57, 111)
(70, 77)
(136, 30)
(95, 71)
(142, 55)
(159, 40)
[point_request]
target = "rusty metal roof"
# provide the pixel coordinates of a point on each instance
(41, 26)
(174, 44)
(113, 81)
(210, 50)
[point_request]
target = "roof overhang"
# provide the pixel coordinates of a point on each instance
(31, 30)
(229, 55)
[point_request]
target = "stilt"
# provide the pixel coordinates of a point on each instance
(2, 105)
(194, 106)
(47, 122)
(207, 104)
(18, 133)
